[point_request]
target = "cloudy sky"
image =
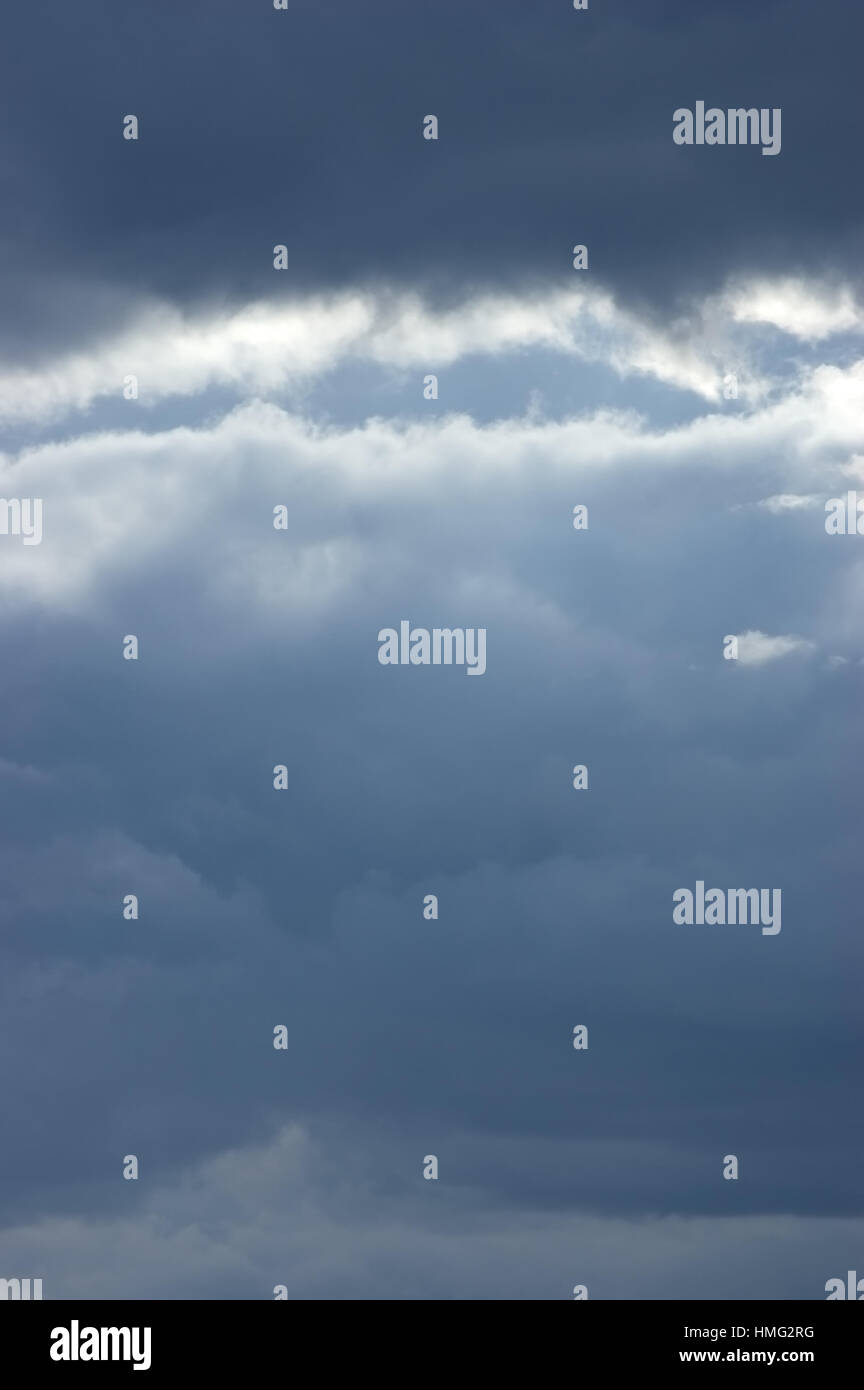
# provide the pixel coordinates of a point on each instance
(699, 388)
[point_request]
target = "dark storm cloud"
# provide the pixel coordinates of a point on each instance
(260, 127)
(305, 907)
(258, 647)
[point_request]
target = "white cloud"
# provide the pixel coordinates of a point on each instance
(265, 348)
(808, 311)
(788, 502)
(757, 648)
(117, 502)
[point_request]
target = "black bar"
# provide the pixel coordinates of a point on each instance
(310, 1339)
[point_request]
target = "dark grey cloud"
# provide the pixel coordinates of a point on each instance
(309, 1214)
(261, 127)
(408, 1037)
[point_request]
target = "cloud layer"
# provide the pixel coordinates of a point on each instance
(698, 389)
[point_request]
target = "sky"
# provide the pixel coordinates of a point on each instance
(698, 388)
